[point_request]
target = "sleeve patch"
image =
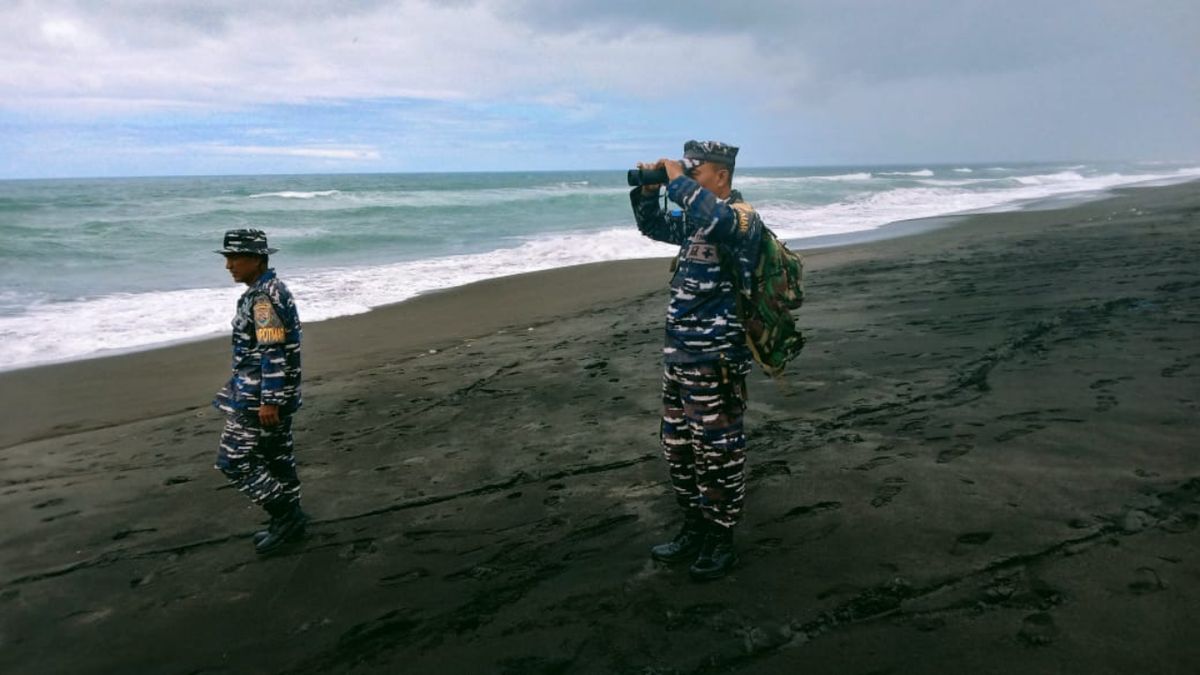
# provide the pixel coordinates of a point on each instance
(744, 214)
(267, 326)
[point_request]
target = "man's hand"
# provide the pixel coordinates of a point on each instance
(651, 189)
(268, 415)
(674, 168)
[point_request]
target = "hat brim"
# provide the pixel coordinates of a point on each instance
(704, 157)
(267, 251)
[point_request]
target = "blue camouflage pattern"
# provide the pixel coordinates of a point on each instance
(266, 351)
(711, 151)
(703, 438)
(249, 241)
(702, 317)
(260, 461)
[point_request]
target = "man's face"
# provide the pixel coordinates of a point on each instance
(242, 266)
(711, 176)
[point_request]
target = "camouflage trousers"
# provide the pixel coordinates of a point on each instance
(259, 461)
(703, 439)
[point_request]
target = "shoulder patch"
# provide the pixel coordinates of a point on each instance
(745, 214)
(267, 326)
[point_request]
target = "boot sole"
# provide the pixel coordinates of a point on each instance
(713, 575)
(295, 535)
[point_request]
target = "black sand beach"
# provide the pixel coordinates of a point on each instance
(984, 462)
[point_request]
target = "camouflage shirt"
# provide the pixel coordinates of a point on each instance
(266, 350)
(702, 320)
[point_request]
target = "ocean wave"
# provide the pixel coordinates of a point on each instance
(872, 210)
(923, 173)
(768, 181)
(126, 321)
(846, 176)
(958, 182)
(296, 194)
(1049, 178)
(422, 199)
(964, 170)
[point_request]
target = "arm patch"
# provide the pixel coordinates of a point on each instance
(744, 212)
(267, 326)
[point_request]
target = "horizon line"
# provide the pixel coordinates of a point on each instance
(585, 170)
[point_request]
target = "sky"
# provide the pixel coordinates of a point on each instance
(141, 87)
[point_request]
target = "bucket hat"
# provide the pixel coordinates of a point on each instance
(246, 241)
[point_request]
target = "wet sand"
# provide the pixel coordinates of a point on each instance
(984, 462)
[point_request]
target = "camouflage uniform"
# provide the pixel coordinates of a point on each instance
(266, 370)
(705, 354)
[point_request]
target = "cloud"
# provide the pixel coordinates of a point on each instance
(355, 154)
(60, 53)
(492, 84)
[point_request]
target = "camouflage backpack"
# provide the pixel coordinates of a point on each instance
(765, 308)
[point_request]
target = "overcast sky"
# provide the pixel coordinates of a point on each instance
(140, 87)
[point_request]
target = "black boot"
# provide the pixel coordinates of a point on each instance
(294, 488)
(685, 545)
(287, 524)
(716, 556)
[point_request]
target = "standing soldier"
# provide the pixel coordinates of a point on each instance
(263, 392)
(705, 355)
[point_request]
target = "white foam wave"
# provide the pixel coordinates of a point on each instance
(846, 176)
(464, 198)
(952, 182)
(1049, 178)
(131, 321)
(767, 181)
(874, 210)
(126, 321)
(964, 170)
(111, 323)
(924, 173)
(296, 194)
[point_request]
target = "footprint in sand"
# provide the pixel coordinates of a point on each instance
(1147, 581)
(876, 462)
(50, 519)
(974, 538)
(767, 544)
(405, 577)
(1105, 402)
(1038, 630)
(957, 451)
(888, 491)
(809, 510)
(963, 542)
(358, 549)
(770, 468)
(126, 533)
(1174, 369)
(1016, 433)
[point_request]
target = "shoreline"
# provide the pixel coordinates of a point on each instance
(887, 231)
(984, 461)
(62, 387)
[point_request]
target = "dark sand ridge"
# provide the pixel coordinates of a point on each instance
(985, 462)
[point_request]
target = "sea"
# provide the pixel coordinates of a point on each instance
(93, 267)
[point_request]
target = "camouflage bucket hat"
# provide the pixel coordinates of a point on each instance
(246, 241)
(710, 151)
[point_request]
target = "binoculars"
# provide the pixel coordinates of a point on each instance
(656, 176)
